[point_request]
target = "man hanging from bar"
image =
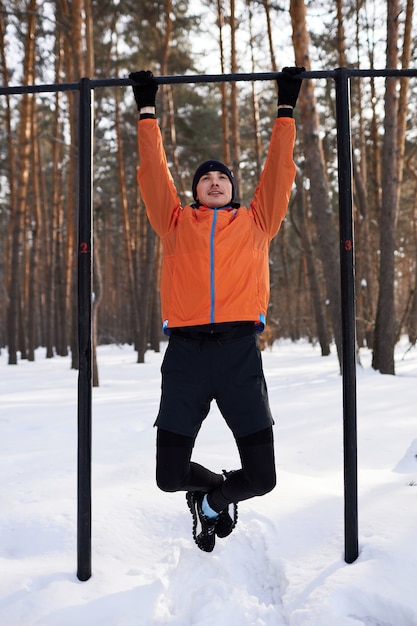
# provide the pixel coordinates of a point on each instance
(214, 298)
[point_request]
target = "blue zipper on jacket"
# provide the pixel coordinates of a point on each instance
(212, 289)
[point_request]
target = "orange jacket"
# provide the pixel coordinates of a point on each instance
(215, 261)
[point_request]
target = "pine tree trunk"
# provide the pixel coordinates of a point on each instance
(36, 229)
(255, 99)
(307, 248)
(385, 329)
(14, 313)
(53, 225)
(223, 88)
(267, 8)
(128, 237)
(411, 321)
(403, 96)
(365, 245)
(234, 105)
(10, 164)
(321, 207)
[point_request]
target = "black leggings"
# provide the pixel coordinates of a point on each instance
(176, 472)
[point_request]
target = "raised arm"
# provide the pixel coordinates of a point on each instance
(273, 192)
(154, 178)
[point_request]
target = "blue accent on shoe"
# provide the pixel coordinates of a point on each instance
(207, 510)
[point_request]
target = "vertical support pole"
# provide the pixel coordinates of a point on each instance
(85, 257)
(347, 272)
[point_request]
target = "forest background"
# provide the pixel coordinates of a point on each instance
(63, 41)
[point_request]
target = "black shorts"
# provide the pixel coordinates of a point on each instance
(221, 367)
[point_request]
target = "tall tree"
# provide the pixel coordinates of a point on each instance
(223, 86)
(33, 268)
(267, 7)
(55, 304)
(411, 322)
(321, 207)
(363, 203)
(235, 131)
(254, 95)
(18, 211)
(385, 324)
(10, 173)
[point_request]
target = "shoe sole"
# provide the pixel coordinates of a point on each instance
(191, 506)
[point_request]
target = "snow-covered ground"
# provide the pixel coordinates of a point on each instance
(283, 564)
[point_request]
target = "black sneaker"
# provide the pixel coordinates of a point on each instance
(227, 522)
(203, 527)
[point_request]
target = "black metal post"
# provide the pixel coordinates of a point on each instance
(85, 257)
(347, 276)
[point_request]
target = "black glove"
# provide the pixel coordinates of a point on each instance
(144, 89)
(288, 86)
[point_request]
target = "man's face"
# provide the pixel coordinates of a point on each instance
(214, 189)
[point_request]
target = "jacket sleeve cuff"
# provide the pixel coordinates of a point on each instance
(284, 111)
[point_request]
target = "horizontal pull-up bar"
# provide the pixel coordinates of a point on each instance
(162, 80)
(206, 78)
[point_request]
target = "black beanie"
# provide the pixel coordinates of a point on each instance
(212, 166)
